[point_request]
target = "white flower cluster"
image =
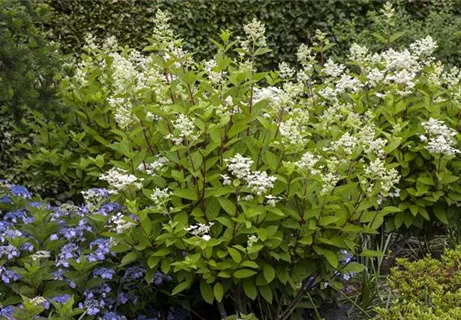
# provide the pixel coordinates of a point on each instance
(153, 167)
(119, 224)
(276, 97)
(93, 198)
(201, 230)
(184, 129)
(215, 77)
(358, 53)
(285, 71)
(308, 162)
(330, 180)
(441, 138)
(332, 69)
(258, 181)
(254, 31)
(119, 179)
(251, 241)
(162, 33)
(41, 254)
(370, 144)
(424, 47)
(377, 171)
(239, 166)
(291, 133)
(346, 144)
(272, 200)
(161, 197)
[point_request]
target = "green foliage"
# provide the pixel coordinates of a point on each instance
(288, 23)
(28, 62)
(425, 289)
(248, 186)
(131, 22)
(441, 21)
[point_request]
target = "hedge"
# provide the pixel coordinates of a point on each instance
(288, 23)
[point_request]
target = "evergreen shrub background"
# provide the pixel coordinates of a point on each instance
(288, 23)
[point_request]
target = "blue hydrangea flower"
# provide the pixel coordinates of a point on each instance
(8, 233)
(107, 208)
(6, 199)
(8, 276)
(134, 273)
(9, 251)
(68, 251)
(27, 246)
(62, 298)
(104, 273)
(112, 316)
(96, 299)
(20, 191)
(17, 216)
(7, 312)
(101, 249)
(125, 297)
(159, 277)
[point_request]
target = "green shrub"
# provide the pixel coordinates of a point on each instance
(442, 23)
(28, 68)
(425, 289)
(288, 23)
(28, 62)
(248, 185)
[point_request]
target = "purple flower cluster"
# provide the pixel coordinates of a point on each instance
(159, 277)
(62, 298)
(76, 231)
(101, 248)
(18, 216)
(125, 297)
(8, 276)
(9, 251)
(68, 251)
(96, 299)
(6, 313)
(20, 191)
(104, 273)
(134, 273)
(113, 316)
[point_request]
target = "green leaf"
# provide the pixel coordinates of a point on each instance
(331, 258)
(227, 205)
(393, 145)
(244, 273)
(266, 292)
(353, 267)
(441, 214)
(189, 194)
(236, 256)
(371, 253)
(129, 258)
(328, 220)
(269, 273)
(182, 286)
(250, 289)
(218, 291)
(207, 292)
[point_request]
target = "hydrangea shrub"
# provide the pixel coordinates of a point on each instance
(58, 263)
